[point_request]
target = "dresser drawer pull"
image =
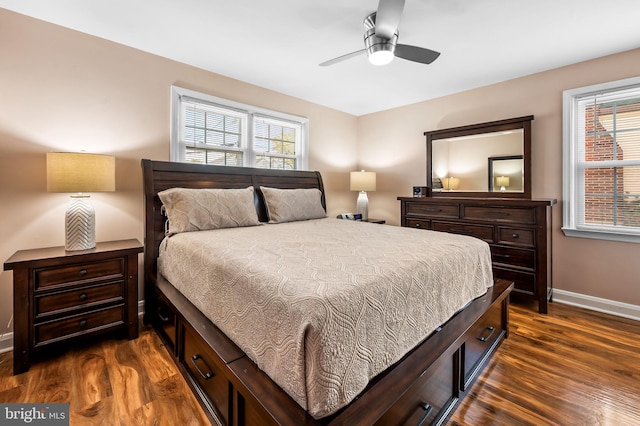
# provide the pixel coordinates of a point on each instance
(485, 338)
(205, 376)
(163, 318)
(82, 272)
(504, 256)
(83, 296)
(83, 323)
(427, 408)
(417, 225)
(515, 236)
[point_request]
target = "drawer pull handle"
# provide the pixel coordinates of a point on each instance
(515, 236)
(83, 296)
(417, 225)
(163, 318)
(82, 272)
(83, 323)
(427, 408)
(504, 256)
(485, 338)
(205, 376)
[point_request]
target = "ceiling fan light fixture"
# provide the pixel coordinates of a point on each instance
(381, 57)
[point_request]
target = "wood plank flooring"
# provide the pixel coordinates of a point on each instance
(570, 367)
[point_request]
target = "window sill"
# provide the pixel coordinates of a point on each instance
(602, 235)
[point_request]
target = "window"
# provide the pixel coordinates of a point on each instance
(601, 150)
(210, 130)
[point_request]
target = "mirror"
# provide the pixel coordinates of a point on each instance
(490, 159)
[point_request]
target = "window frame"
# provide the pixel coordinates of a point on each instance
(572, 183)
(250, 112)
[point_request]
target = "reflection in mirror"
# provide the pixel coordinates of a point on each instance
(506, 174)
(459, 159)
(460, 164)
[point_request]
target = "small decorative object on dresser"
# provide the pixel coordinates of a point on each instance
(61, 295)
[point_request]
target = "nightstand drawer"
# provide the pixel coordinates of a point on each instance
(484, 232)
(52, 331)
(81, 298)
(112, 268)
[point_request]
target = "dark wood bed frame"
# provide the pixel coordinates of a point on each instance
(424, 387)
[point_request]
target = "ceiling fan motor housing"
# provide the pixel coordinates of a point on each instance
(373, 43)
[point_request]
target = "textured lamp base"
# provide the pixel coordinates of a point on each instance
(80, 224)
(362, 205)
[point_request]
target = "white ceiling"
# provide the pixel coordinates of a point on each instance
(278, 44)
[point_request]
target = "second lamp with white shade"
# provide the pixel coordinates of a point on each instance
(363, 181)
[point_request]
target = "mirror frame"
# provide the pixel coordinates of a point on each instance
(523, 123)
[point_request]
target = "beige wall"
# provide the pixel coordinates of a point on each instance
(63, 90)
(392, 143)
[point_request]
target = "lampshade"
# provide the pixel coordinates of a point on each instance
(363, 181)
(80, 172)
(451, 183)
(502, 181)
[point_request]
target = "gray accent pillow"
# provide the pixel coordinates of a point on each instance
(191, 209)
(288, 205)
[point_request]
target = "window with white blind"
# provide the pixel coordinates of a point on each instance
(601, 158)
(210, 130)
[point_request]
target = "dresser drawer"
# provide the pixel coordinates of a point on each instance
(524, 282)
(429, 399)
(516, 236)
(80, 298)
(450, 211)
(520, 257)
(500, 214)
(112, 268)
(51, 331)
(418, 224)
(484, 232)
(479, 341)
(206, 368)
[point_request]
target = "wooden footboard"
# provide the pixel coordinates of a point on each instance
(422, 388)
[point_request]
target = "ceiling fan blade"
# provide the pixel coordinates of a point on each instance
(342, 58)
(416, 54)
(388, 17)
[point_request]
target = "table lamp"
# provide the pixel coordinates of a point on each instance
(502, 182)
(80, 173)
(363, 181)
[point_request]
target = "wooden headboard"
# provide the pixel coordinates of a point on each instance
(161, 175)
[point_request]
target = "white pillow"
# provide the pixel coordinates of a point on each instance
(288, 205)
(191, 209)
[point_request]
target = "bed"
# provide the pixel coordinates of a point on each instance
(424, 358)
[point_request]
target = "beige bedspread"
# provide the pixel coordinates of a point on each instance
(322, 306)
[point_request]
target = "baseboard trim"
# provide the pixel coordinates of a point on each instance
(6, 340)
(599, 304)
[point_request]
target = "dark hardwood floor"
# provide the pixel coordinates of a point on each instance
(570, 367)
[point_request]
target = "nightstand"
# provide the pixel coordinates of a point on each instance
(380, 221)
(60, 296)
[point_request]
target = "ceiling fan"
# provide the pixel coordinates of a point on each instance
(381, 38)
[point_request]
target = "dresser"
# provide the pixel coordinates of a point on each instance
(518, 232)
(60, 296)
